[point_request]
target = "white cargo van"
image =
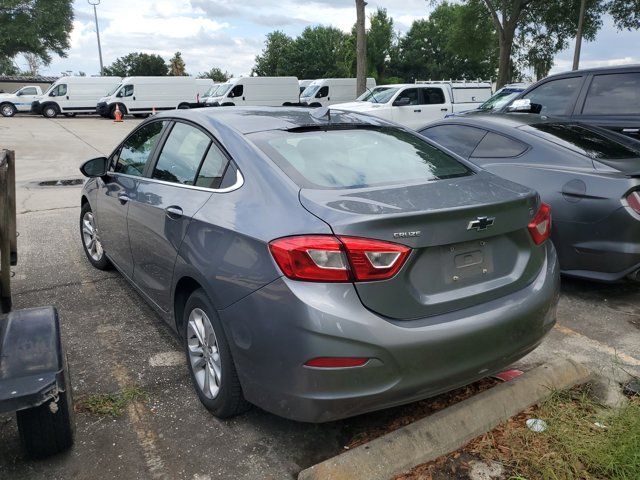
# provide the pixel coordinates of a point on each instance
(415, 105)
(139, 96)
(71, 95)
(258, 91)
(327, 91)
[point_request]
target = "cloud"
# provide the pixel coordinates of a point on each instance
(229, 34)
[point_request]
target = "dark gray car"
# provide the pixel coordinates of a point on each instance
(589, 175)
(321, 267)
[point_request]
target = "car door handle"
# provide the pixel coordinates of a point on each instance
(444, 109)
(173, 212)
(134, 98)
(67, 97)
(417, 110)
(124, 198)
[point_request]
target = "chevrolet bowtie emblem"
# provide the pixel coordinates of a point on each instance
(481, 223)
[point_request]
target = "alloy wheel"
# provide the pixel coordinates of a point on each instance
(90, 237)
(7, 111)
(204, 353)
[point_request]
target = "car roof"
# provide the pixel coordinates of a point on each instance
(512, 120)
(258, 119)
(616, 69)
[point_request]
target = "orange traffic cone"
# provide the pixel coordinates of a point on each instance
(118, 114)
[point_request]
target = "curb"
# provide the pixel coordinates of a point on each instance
(448, 429)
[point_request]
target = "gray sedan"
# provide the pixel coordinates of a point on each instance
(321, 266)
(590, 177)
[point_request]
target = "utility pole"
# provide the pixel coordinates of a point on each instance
(361, 49)
(576, 52)
(95, 15)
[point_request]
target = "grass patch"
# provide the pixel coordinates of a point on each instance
(112, 404)
(573, 446)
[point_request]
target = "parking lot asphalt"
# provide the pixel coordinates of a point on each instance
(114, 341)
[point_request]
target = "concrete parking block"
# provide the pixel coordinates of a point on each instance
(448, 429)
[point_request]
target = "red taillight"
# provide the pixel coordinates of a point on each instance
(540, 226)
(336, 362)
(373, 259)
(633, 199)
(325, 258)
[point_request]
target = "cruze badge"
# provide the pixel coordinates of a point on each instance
(416, 233)
(481, 223)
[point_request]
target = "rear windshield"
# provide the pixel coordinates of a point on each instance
(587, 141)
(356, 157)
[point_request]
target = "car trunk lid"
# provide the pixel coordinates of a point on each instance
(468, 235)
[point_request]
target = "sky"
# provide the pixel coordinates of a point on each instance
(230, 33)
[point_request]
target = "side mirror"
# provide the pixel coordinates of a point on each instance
(53, 94)
(524, 105)
(402, 102)
(96, 167)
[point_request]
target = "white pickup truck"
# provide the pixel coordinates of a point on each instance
(415, 105)
(19, 101)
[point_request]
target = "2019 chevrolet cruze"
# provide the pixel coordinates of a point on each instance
(321, 264)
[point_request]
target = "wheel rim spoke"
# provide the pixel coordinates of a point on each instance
(202, 347)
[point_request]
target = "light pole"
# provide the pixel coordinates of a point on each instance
(95, 14)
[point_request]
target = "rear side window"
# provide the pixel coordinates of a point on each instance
(136, 149)
(356, 157)
(213, 168)
(181, 155)
(457, 138)
(494, 145)
(555, 96)
(614, 94)
(589, 142)
(432, 96)
(29, 91)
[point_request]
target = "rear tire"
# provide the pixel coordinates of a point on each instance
(43, 432)
(50, 111)
(70, 115)
(8, 109)
(209, 359)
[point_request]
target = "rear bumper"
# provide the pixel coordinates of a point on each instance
(275, 330)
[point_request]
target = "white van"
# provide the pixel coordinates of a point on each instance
(327, 91)
(139, 96)
(258, 91)
(71, 95)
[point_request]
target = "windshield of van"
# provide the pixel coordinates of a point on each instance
(356, 157)
(114, 90)
(310, 91)
(211, 92)
(378, 95)
(223, 88)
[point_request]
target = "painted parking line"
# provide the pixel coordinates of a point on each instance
(600, 347)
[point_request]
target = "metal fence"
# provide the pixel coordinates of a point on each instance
(8, 235)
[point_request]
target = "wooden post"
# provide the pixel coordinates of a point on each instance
(8, 237)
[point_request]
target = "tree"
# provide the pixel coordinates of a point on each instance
(8, 67)
(216, 74)
(137, 64)
(39, 27)
(34, 63)
(456, 41)
(177, 66)
(380, 43)
(275, 57)
(361, 49)
(321, 52)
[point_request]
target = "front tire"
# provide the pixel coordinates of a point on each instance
(49, 428)
(50, 111)
(8, 109)
(184, 106)
(211, 366)
(91, 240)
